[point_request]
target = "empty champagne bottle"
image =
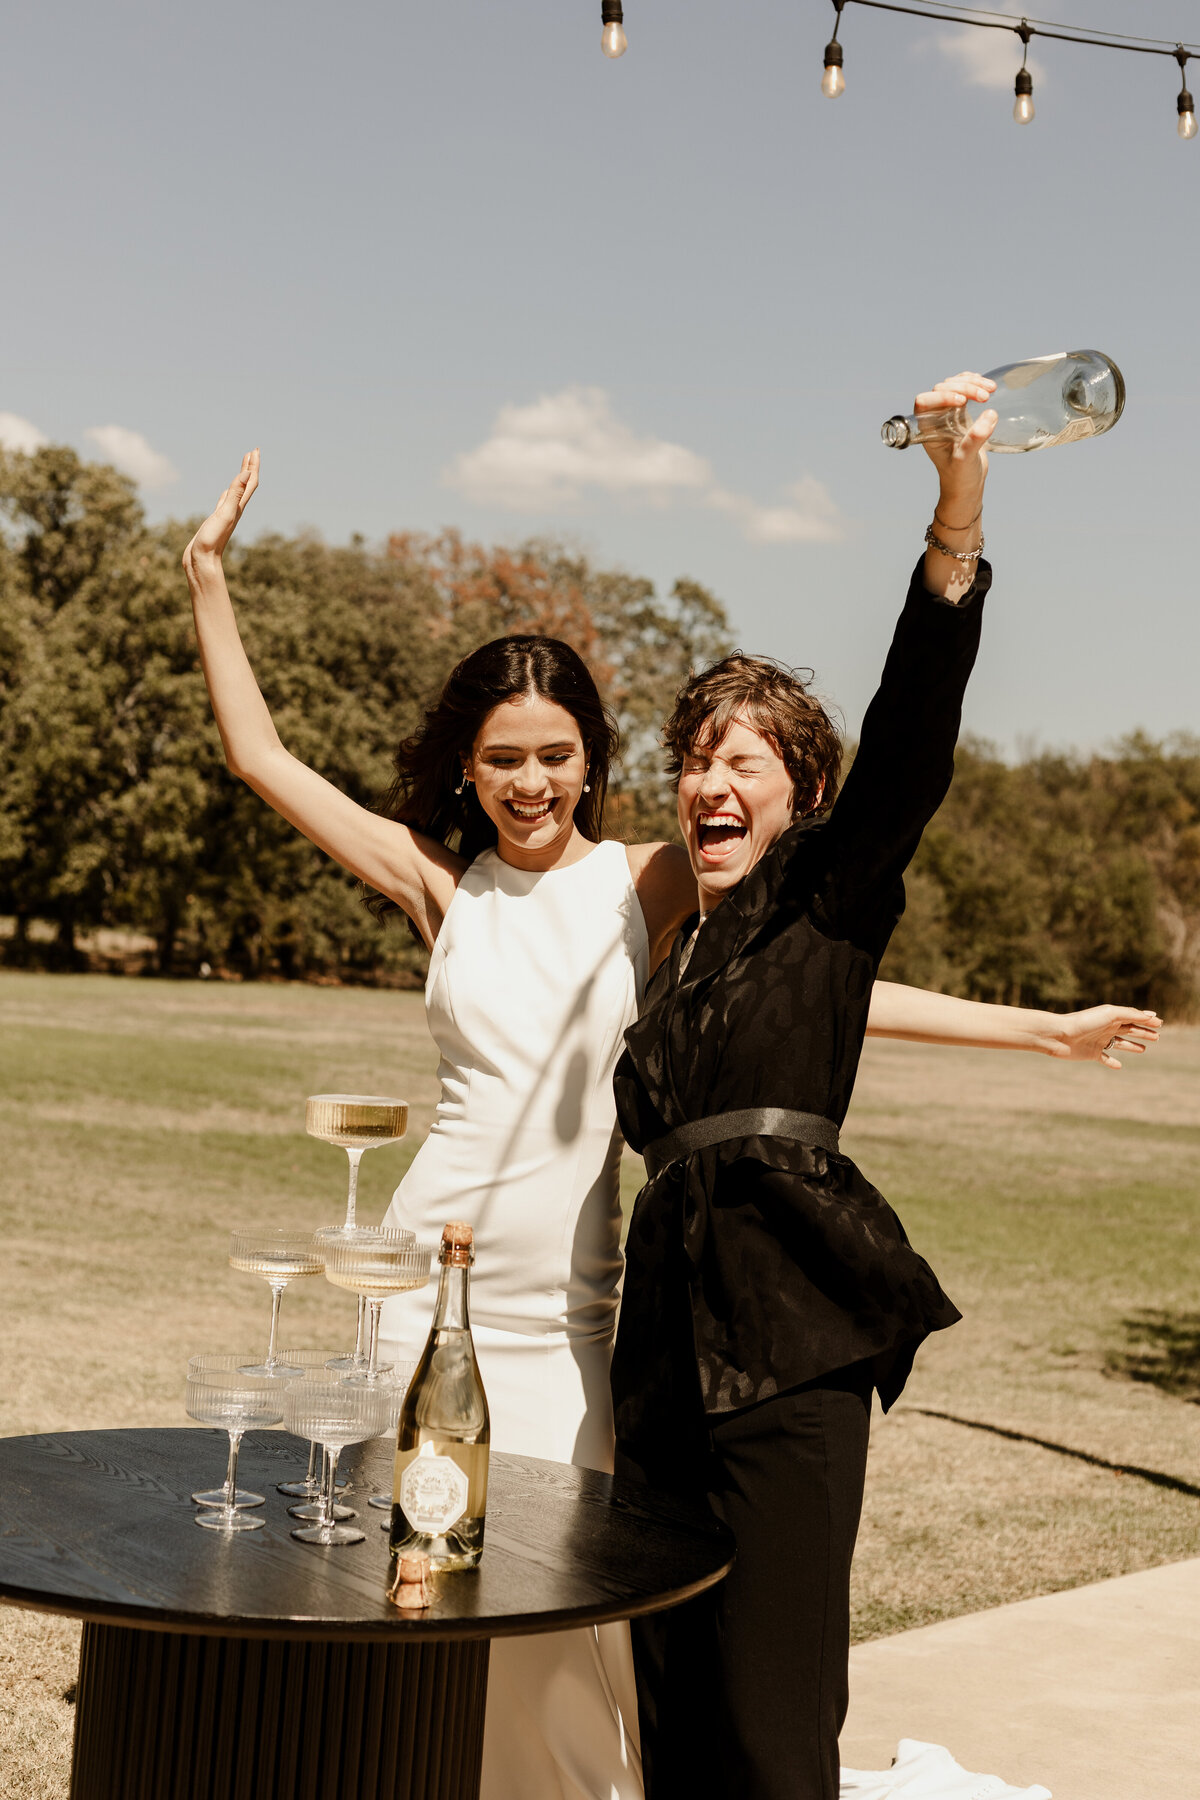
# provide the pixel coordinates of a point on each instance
(1043, 401)
(439, 1489)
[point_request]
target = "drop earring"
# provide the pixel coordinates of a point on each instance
(462, 784)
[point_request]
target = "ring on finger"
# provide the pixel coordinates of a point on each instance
(1115, 1039)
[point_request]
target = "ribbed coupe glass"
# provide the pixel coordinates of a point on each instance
(279, 1257)
(355, 1122)
(333, 1413)
(376, 1264)
(220, 1394)
(313, 1364)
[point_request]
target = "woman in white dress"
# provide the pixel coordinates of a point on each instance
(541, 941)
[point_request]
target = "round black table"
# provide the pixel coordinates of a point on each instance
(251, 1667)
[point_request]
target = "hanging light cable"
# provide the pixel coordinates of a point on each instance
(1023, 86)
(613, 41)
(1185, 105)
(833, 82)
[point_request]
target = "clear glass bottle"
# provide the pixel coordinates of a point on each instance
(439, 1489)
(1042, 401)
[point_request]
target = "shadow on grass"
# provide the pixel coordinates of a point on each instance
(1162, 1348)
(1155, 1477)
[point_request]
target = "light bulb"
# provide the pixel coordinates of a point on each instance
(613, 41)
(833, 82)
(1187, 126)
(1023, 88)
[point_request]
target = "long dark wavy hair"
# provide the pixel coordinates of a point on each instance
(429, 764)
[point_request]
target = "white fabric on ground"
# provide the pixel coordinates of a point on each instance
(929, 1772)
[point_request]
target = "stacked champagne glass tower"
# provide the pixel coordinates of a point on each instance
(331, 1398)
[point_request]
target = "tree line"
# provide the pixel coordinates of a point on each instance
(1048, 881)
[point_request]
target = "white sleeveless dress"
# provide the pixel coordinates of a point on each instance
(531, 985)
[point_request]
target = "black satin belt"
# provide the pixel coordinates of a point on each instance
(752, 1121)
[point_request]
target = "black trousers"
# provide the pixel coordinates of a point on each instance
(742, 1692)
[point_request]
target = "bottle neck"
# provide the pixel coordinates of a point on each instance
(451, 1312)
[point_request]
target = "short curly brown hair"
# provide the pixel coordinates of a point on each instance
(775, 702)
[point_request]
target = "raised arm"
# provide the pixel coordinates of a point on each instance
(416, 872)
(905, 757)
(1091, 1035)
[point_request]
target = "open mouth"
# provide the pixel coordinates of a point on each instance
(719, 834)
(532, 813)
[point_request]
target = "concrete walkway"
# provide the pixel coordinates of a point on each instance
(1094, 1693)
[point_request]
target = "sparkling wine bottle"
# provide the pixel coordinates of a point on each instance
(1043, 401)
(439, 1489)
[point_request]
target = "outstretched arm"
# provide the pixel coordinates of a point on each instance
(1091, 1035)
(416, 872)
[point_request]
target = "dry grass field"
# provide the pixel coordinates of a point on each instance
(1050, 1439)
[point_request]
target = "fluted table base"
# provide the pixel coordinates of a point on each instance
(168, 1716)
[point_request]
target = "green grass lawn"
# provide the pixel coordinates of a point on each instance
(1050, 1439)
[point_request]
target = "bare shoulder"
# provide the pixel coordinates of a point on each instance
(666, 890)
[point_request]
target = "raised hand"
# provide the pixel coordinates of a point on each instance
(1094, 1034)
(962, 460)
(216, 531)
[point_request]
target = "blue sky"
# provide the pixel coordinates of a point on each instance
(448, 265)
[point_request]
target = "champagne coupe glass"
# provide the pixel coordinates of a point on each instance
(324, 1237)
(220, 1394)
(333, 1413)
(397, 1386)
(279, 1257)
(376, 1264)
(313, 1364)
(356, 1122)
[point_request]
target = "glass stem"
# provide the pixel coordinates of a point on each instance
(352, 1196)
(312, 1464)
(235, 1438)
(360, 1334)
(277, 1288)
(375, 1308)
(332, 1452)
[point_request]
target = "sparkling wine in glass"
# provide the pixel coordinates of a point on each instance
(355, 1122)
(220, 1394)
(333, 1413)
(376, 1264)
(279, 1257)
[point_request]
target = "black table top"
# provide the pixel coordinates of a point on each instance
(99, 1525)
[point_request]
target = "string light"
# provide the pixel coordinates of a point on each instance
(833, 82)
(1023, 85)
(613, 41)
(986, 19)
(1185, 105)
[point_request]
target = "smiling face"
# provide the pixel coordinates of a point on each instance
(736, 799)
(529, 765)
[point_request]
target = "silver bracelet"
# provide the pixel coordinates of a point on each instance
(963, 556)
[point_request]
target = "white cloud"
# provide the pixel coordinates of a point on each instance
(547, 453)
(550, 453)
(986, 59)
(131, 453)
(812, 517)
(20, 434)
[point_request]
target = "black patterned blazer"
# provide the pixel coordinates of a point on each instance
(763, 1263)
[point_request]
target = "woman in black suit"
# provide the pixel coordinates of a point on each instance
(769, 1289)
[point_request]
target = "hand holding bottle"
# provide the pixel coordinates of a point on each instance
(962, 464)
(961, 461)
